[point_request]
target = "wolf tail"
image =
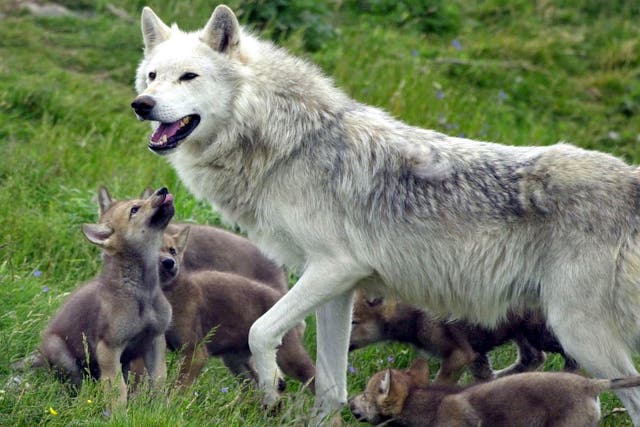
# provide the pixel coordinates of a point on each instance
(602, 385)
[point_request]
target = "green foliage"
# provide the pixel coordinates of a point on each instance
(281, 18)
(432, 16)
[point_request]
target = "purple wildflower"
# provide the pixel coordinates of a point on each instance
(352, 370)
(37, 273)
(45, 289)
(456, 44)
(439, 94)
(390, 359)
(224, 389)
(502, 95)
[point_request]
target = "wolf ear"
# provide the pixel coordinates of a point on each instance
(385, 384)
(97, 233)
(154, 31)
(104, 200)
(222, 31)
(182, 238)
(148, 192)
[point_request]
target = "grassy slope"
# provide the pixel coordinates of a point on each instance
(519, 73)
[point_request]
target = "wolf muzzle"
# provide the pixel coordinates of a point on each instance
(143, 105)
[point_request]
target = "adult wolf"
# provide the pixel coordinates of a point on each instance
(350, 197)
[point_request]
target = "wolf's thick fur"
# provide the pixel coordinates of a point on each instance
(457, 343)
(212, 248)
(226, 304)
(348, 196)
(405, 398)
(121, 314)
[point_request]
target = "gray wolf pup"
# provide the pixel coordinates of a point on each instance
(457, 343)
(212, 248)
(121, 314)
(348, 197)
(553, 399)
(227, 304)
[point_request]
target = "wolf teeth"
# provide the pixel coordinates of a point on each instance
(164, 139)
(185, 121)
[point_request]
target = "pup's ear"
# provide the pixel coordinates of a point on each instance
(222, 31)
(182, 238)
(104, 200)
(154, 31)
(394, 389)
(419, 372)
(97, 233)
(146, 193)
(385, 384)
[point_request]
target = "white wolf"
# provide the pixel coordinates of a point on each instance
(350, 197)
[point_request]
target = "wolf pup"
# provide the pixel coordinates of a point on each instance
(212, 248)
(122, 313)
(349, 197)
(457, 343)
(226, 305)
(554, 399)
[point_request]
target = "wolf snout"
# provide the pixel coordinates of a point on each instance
(353, 407)
(168, 264)
(143, 105)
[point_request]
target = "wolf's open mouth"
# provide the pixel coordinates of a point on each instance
(164, 211)
(168, 135)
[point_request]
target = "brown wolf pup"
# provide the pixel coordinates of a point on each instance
(456, 343)
(122, 313)
(212, 248)
(226, 304)
(552, 399)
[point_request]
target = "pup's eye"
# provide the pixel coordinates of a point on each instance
(134, 210)
(188, 76)
(152, 75)
(355, 322)
(173, 252)
(374, 302)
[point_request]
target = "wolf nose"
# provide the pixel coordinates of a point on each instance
(162, 192)
(354, 410)
(143, 105)
(168, 264)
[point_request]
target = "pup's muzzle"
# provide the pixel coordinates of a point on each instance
(143, 105)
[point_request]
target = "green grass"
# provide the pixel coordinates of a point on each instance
(514, 72)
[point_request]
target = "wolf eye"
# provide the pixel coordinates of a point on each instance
(188, 76)
(134, 210)
(374, 302)
(173, 252)
(152, 75)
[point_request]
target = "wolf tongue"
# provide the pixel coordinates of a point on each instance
(168, 129)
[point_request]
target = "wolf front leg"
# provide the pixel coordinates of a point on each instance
(155, 360)
(111, 373)
(322, 281)
(333, 331)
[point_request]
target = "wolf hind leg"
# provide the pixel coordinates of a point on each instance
(241, 365)
(57, 353)
(590, 340)
(294, 360)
